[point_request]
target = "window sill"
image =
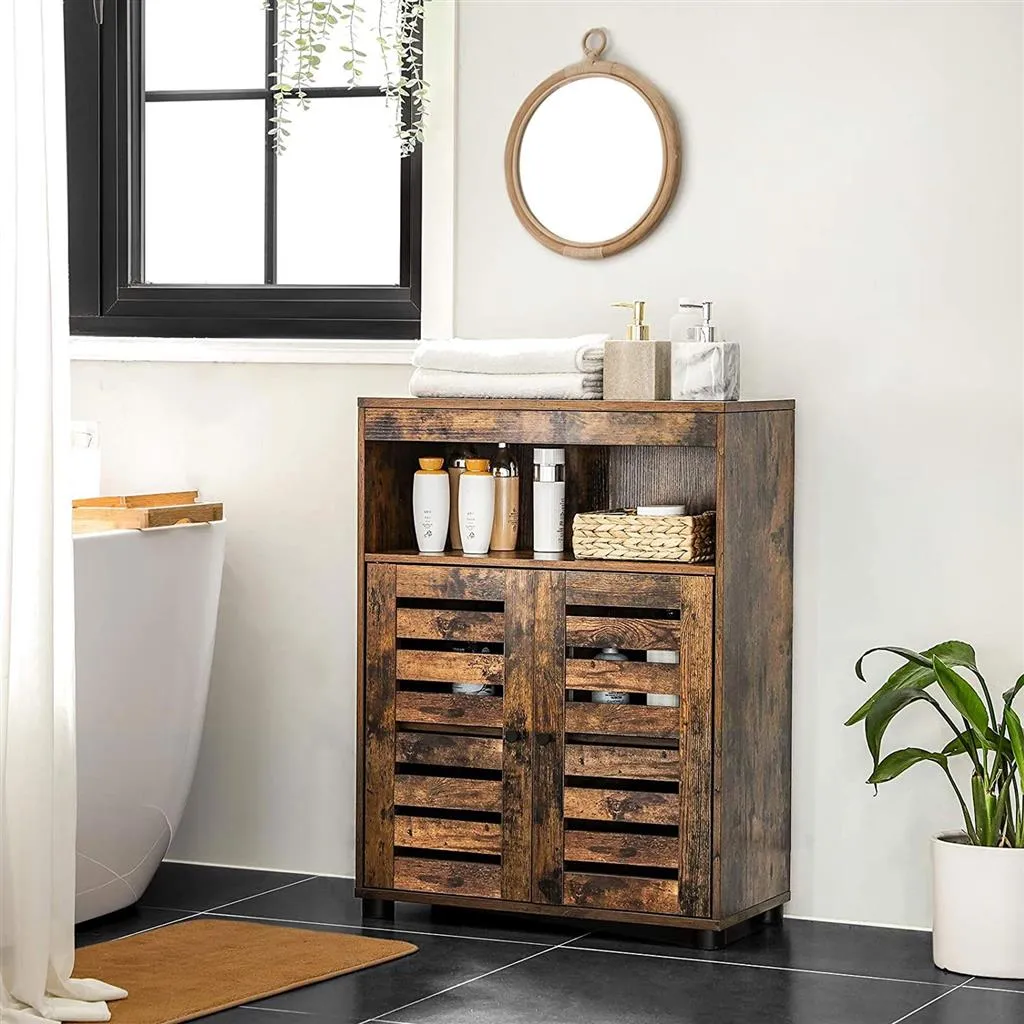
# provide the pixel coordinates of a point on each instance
(241, 350)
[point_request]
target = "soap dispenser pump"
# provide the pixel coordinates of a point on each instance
(637, 369)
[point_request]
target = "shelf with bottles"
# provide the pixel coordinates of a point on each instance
(597, 477)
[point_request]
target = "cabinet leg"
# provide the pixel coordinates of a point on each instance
(379, 909)
(773, 917)
(709, 940)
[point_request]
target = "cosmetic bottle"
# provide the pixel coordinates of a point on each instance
(431, 502)
(662, 700)
(476, 506)
(704, 367)
(637, 369)
(456, 467)
(505, 470)
(607, 696)
(549, 499)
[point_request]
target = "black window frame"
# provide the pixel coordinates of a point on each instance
(105, 108)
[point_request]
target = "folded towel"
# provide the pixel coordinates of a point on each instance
(427, 383)
(584, 354)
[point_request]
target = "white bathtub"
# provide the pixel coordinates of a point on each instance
(145, 615)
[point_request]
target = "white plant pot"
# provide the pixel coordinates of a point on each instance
(978, 896)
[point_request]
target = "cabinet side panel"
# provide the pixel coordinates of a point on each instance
(754, 643)
(548, 736)
(517, 794)
(379, 711)
(695, 730)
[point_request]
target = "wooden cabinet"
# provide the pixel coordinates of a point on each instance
(526, 794)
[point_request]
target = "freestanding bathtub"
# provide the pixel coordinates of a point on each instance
(145, 615)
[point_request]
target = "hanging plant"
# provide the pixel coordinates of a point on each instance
(305, 29)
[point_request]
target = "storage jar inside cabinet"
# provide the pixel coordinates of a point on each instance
(489, 776)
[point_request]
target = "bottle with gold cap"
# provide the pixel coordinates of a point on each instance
(476, 506)
(637, 369)
(430, 506)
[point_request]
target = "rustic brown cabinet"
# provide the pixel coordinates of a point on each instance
(532, 797)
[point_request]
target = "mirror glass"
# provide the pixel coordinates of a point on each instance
(591, 159)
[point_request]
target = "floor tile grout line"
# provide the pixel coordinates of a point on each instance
(469, 981)
(257, 895)
(378, 928)
(931, 1002)
(760, 967)
(274, 1009)
(993, 988)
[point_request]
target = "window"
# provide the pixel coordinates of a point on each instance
(183, 220)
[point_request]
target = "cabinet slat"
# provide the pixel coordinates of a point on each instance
(447, 834)
(448, 794)
(450, 667)
(630, 634)
(451, 583)
(622, 848)
(453, 751)
(607, 762)
(621, 720)
(449, 709)
(463, 878)
(621, 805)
(620, 892)
(631, 676)
(449, 624)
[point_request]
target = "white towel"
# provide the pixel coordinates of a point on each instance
(427, 383)
(584, 354)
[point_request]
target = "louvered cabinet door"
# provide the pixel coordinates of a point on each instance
(452, 653)
(637, 775)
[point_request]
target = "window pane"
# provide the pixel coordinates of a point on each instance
(204, 192)
(339, 191)
(205, 44)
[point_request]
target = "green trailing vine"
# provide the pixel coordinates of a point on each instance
(305, 29)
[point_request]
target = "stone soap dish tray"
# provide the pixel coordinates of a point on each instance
(143, 511)
(624, 535)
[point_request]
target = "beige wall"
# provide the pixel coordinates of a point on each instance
(851, 199)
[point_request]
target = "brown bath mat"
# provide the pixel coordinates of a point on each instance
(189, 970)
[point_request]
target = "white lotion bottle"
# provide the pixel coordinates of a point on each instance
(549, 499)
(662, 700)
(476, 506)
(430, 506)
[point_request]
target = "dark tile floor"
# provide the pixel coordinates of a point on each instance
(475, 968)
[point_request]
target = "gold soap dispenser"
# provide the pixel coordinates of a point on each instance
(637, 369)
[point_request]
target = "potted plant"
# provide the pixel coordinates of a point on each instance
(978, 880)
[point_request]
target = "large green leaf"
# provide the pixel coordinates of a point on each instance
(883, 711)
(962, 696)
(1010, 694)
(1016, 732)
(899, 761)
(918, 673)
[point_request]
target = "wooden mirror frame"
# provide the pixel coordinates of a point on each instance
(592, 66)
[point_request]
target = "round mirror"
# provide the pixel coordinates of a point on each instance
(592, 160)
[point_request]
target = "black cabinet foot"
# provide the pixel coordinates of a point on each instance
(383, 910)
(712, 940)
(772, 917)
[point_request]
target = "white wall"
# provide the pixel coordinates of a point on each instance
(851, 199)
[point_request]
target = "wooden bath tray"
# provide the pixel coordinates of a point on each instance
(143, 511)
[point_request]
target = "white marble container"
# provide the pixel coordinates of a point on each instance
(705, 371)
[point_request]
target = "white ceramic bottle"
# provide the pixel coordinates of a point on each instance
(548, 499)
(430, 506)
(476, 506)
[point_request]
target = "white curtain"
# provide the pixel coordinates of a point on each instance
(37, 686)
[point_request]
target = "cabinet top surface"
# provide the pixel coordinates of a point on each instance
(587, 405)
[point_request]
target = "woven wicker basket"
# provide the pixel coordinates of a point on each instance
(625, 535)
